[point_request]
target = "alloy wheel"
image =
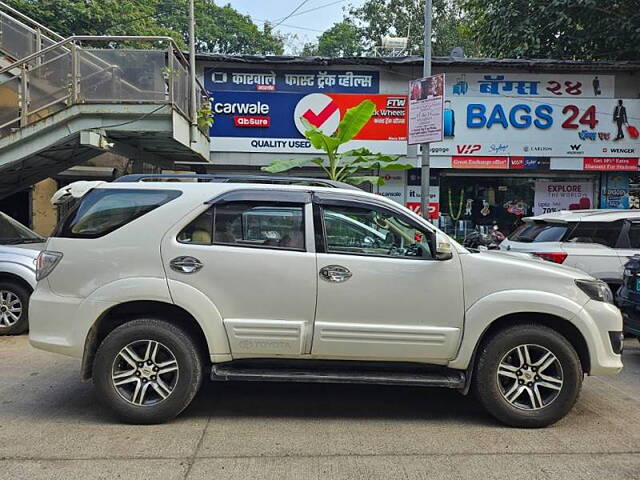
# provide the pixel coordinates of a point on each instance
(145, 373)
(530, 377)
(10, 308)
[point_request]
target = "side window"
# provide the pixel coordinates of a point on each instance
(634, 235)
(102, 211)
(248, 224)
(367, 231)
(593, 232)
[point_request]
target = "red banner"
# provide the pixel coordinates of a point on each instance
(389, 122)
(611, 164)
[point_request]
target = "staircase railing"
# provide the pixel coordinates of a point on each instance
(67, 73)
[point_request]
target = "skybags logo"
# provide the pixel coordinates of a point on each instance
(575, 149)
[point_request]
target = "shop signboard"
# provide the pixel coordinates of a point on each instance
(414, 194)
(530, 85)
(426, 109)
(560, 127)
(611, 164)
(261, 111)
(553, 196)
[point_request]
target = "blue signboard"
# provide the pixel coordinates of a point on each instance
(298, 81)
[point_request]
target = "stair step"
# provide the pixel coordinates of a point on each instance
(230, 372)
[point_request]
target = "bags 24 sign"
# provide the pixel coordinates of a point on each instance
(260, 111)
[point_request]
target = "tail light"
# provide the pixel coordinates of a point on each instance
(555, 257)
(46, 262)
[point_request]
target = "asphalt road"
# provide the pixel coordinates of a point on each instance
(51, 426)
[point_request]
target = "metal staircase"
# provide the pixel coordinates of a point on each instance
(66, 100)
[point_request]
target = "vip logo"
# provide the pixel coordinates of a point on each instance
(396, 103)
(319, 110)
(468, 149)
(575, 148)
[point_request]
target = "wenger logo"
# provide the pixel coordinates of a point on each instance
(623, 150)
(468, 149)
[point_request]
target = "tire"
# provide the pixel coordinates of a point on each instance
(159, 346)
(14, 301)
(527, 397)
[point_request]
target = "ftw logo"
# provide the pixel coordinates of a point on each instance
(575, 148)
(396, 103)
(468, 149)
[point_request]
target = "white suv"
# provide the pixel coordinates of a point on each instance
(156, 285)
(598, 242)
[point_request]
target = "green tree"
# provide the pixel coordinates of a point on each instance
(405, 18)
(347, 166)
(220, 29)
(344, 39)
(565, 29)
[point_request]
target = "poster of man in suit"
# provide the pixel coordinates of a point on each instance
(620, 118)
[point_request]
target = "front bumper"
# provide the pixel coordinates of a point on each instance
(600, 324)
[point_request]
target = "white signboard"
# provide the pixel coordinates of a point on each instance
(394, 186)
(560, 127)
(426, 102)
(530, 85)
(556, 196)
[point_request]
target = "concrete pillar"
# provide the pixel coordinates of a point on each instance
(44, 215)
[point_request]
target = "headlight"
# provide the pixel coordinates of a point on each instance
(596, 290)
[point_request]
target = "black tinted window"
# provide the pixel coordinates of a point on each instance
(103, 211)
(594, 232)
(248, 225)
(538, 232)
(634, 235)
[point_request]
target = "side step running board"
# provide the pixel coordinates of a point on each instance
(449, 379)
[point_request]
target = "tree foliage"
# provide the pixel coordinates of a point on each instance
(564, 29)
(346, 166)
(344, 39)
(219, 29)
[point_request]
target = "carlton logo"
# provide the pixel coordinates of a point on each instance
(319, 110)
(468, 149)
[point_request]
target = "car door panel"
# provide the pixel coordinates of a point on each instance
(389, 308)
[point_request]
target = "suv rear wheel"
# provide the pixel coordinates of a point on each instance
(14, 308)
(528, 376)
(147, 371)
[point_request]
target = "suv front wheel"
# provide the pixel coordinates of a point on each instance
(147, 371)
(528, 376)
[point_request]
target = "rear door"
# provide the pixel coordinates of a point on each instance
(250, 253)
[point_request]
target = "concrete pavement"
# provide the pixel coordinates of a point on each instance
(51, 426)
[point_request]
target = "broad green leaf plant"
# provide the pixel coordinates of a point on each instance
(347, 166)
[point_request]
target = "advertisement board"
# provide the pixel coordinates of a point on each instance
(531, 85)
(559, 127)
(261, 111)
(426, 109)
(555, 196)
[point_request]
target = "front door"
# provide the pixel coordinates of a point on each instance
(256, 269)
(381, 294)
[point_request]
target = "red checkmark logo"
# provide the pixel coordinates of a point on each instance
(317, 119)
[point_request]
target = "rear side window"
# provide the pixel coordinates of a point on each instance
(596, 232)
(102, 211)
(248, 224)
(539, 232)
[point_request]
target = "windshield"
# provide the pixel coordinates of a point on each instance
(539, 232)
(13, 232)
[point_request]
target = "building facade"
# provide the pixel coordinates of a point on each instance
(522, 137)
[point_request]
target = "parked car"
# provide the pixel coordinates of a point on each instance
(155, 285)
(628, 296)
(598, 242)
(19, 248)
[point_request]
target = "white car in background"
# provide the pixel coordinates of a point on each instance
(598, 242)
(19, 248)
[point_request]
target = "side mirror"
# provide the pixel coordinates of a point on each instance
(444, 249)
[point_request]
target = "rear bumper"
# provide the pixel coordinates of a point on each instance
(59, 324)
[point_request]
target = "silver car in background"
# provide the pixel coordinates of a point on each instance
(19, 248)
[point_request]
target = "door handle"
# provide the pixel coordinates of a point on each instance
(335, 273)
(186, 264)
